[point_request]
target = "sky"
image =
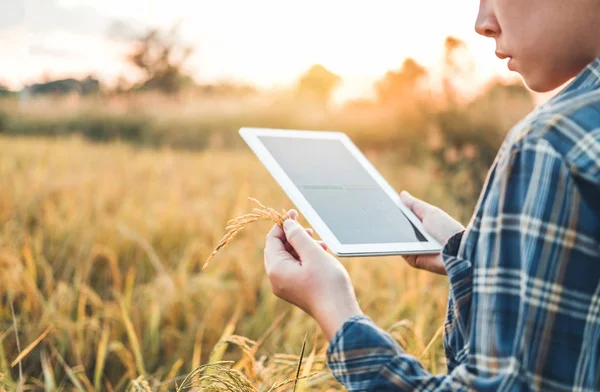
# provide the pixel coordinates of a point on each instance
(268, 43)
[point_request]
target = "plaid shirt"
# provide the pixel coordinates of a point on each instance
(524, 301)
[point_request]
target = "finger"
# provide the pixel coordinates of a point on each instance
(275, 246)
(419, 207)
(288, 247)
(323, 245)
(277, 258)
(296, 235)
(429, 263)
(277, 232)
(411, 260)
(275, 249)
(293, 214)
(291, 250)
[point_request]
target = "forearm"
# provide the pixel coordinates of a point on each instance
(331, 316)
(363, 357)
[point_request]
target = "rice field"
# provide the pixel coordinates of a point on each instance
(101, 280)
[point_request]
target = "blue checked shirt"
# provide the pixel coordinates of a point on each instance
(524, 302)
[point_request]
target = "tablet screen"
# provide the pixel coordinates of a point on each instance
(354, 207)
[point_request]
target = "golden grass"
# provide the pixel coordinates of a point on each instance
(236, 225)
(29, 348)
(106, 244)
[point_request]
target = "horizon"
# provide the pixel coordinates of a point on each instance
(244, 43)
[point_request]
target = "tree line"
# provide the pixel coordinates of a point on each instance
(161, 58)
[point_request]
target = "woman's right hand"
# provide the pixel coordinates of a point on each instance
(438, 224)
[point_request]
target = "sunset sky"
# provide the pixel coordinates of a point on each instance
(264, 42)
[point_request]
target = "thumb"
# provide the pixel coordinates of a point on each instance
(300, 240)
(418, 206)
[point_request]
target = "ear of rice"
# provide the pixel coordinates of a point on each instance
(236, 225)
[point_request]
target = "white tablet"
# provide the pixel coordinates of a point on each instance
(339, 192)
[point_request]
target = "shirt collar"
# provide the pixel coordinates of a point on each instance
(587, 80)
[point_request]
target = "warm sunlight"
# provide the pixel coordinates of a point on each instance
(289, 144)
(266, 42)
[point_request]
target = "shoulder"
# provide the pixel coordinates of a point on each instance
(559, 140)
(568, 131)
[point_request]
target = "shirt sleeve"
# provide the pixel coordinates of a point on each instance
(460, 275)
(451, 248)
(516, 310)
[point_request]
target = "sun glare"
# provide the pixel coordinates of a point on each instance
(269, 42)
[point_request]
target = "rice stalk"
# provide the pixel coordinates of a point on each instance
(171, 375)
(133, 339)
(197, 352)
(140, 384)
(247, 363)
(236, 225)
(220, 347)
(283, 383)
(145, 245)
(129, 286)
(2, 383)
(29, 263)
(126, 359)
(29, 348)
(300, 361)
(4, 368)
(220, 378)
(270, 330)
(308, 367)
(49, 381)
(70, 372)
(101, 355)
(192, 378)
(14, 319)
(432, 341)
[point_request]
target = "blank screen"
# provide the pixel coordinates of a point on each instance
(354, 207)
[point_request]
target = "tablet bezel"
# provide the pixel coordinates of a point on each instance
(251, 137)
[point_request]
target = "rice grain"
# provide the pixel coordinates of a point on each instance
(236, 225)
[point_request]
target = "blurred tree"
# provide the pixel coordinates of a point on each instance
(316, 85)
(161, 57)
(498, 90)
(401, 85)
(228, 89)
(494, 112)
(122, 85)
(458, 64)
(471, 134)
(87, 86)
(451, 45)
(4, 90)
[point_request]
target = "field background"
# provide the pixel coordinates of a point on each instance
(111, 202)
